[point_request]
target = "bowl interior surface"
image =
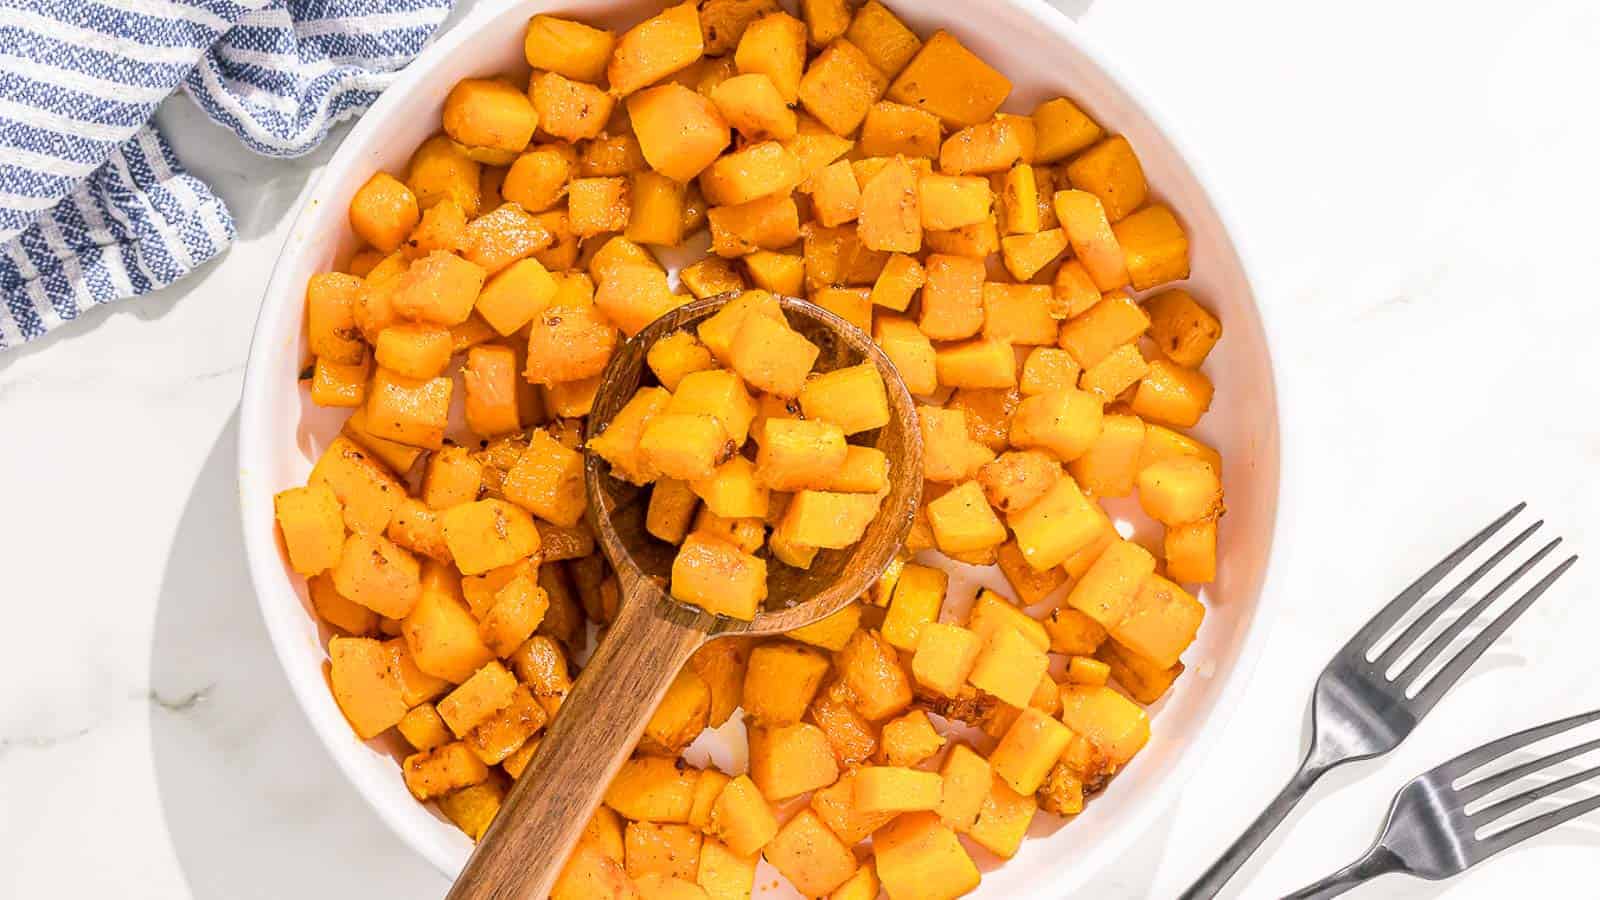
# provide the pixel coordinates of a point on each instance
(1044, 55)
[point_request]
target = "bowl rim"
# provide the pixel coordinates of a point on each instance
(267, 568)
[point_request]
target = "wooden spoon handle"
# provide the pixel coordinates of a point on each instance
(597, 727)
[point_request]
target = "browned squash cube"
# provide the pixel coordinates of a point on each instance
(1172, 395)
(854, 398)
(771, 356)
(312, 523)
(885, 40)
(416, 350)
(799, 453)
(1110, 170)
(870, 667)
(951, 82)
(1064, 422)
(770, 223)
(779, 682)
(408, 410)
(813, 858)
(441, 288)
(487, 534)
(383, 212)
(489, 113)
(775, 46)
(440, 168)
(680, 132)
(910, 351)
(1061, 129)
(840, 85)
(1154, 246)
(569, 343)
(570, 110)
(655, 48)
(718, 578)
(547, 480)
(952, 298)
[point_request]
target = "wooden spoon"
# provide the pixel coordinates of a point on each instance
(653, 636)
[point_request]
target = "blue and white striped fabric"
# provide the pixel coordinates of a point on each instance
(94, 206)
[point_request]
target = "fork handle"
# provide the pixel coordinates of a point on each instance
(1378, 861)
(1212, 880)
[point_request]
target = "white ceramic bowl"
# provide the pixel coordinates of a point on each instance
(1045, 55)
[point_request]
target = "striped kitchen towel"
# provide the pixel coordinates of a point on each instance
(94, 206)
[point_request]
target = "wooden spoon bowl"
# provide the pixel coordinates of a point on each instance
(653, 635)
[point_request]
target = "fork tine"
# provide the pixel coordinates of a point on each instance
(1538, 825)
(1453, 670)
(1498, 810)
(1380, 624)
(1499, 780)
(1422, 660)
(1477, 758)
(1425, 621)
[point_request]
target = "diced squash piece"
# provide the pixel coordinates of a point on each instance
(775, 45)
(488, 691)
(909, 740)
(883, 38)
(916, 601)
(1120, 370)
(1074, 632)
(813, 858)
(798, 453)
(789, 760)
(547, 480)
(952, 297)
(949, 454)
(1154, 246)
(1115, 725)
(757, 171)
(953, 201)
(312, 523)
(891, 218)
(441, 770)
(1172, 395)
(892, 129)
(1026, 255)
(440, 168)
(1029, 750)
(920, 858)
(1145, 681)
(951, 82)
(1110, 170)
(1106, 592)
(364, 685)
(780, 680)
(1065, 422)
(440, 630)
(718, 578)
(653, 789)
(487, 534)
(679, 131)
(441, 288)
(618, 444)
(339, 611)
(1059, 524)
(742, 818)
(724, 874)
(854, 398)
(1016, 479)
(770, 223)
(423, 729)
(944, 657)
(1061, 129)
(771, 356)
(1107, 325)
(1047, 369)
(1009, 666)
(732, 491)
(779, 273)
(1191, 551)
(983, 149)
(825, 19)
(568, 109)
(1075, 291)
(896, 789)
(1183, 329)
(378, 574)
(668, 850)
(655, 48)
(671, 510)
(828, 519)
(383, 212)
(572, 48)
(489, 113)
(840, 85)
(1160, 621)
(1162, 443)
(1087, 670)
(707, 278)
(1111, 464)
(655, 214)
(963, 521)
(1003, 820)
(910, 351)
(506, 730)
(686, 446)
(871, 670)
(1093, 241)
(752, 104)
(516, 613)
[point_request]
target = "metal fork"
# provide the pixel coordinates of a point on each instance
(1359, 711)
(1431, 835)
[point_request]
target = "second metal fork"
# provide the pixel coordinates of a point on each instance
(1359, 711)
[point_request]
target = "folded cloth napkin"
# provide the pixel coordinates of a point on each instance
(94, 206)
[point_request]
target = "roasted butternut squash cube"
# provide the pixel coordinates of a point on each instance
(828, 519)
(668, 850)
(443, 226)
(364, 685)
(611, 155)
(746, 535)
(1110, 170)
(883, 38)
(896, 789)
(1080, 561)
(775, 45)
(798, 453)
(719, 578)
(1025, 255)
(473, 808)
(733, 491)
(1110, 465)
(1003, 820)
(863, 885)
(1109, 377)
(1145, 681)
(985, 363)
(1191, 551)
(1061, 129)
(992, 613)
(835, 807)
(453, 477)
(440, 630)
(517, 612)
(779, 682)
(492, 386)
(1074, 290)
(717, 332)
(789, 760)
(891, 218)
(680, 717)
(1065, 422)
(1074, 632)
(830, 632)
(383, 212)
(949, 453)
(770, 223)
(1184, 330)
(835, 195)
(367, 492)
(686, 446)
(898, 283)
(1021, 202)
(724, 874)
(331, 301)
(1087, 670)
(741, 818)
(851, 736)
(813, 858)
(1115, 725)
(944, 657)
(759, 170)
(506, 730)
(1029, 750)
(854, 398)
(619, 443)
(440, 288)
(917, 856)
(953, 201)
(655, 209)
(542, 666)
(909, 740)
(488, 691)
(632, 297)
(499, 238)
(487, 534)
(952, 297)
(547, 480)
(423, 729)
(1163, 443)
(1108, 325)
(515, 296)
(1009, 667)
(489, 113)
(780, 273)
(653, 789)
(967, 779)
(892, 129)
(679, 131)
(655, 48)
(568, 109)
(918, 596)
(1160, 621)
(440, 168)
(951, 82)
(1016, 479)
(1093, 241)
(338, 610)
(984, 148)
(1172, 395)
(1047, 369)
(415, 350)
(312, 523)
(1030, 585)
(825, 19)
(717, 393)
(671, 510)
(870, 668)
(963, 521)
(707, 789)
(752, 104)
(707, 278)
(1107, 590)
(480, 590)
(572, 48)
(418, 529)
(840, 85)
(378, 574)
(910, 351)
(1059, 524)
(441, 770)
(598, 205)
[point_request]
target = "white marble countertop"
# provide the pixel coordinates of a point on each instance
(1416, 182)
